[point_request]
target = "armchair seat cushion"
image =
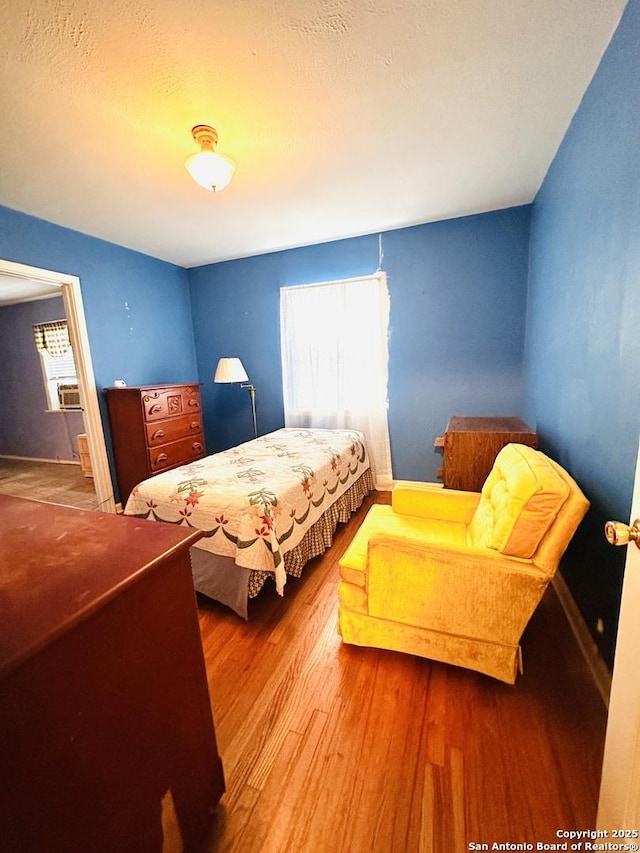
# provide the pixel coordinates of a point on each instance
(520, 500)
(382, 519)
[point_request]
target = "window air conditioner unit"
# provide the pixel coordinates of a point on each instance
(69, 396)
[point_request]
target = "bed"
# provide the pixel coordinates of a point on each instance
(266, 507)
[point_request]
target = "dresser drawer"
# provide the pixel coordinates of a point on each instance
(160, 432)
(161, 403)
(177, 453)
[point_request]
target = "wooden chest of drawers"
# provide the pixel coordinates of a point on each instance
(108, 742)
(153, 428)
(471, 445)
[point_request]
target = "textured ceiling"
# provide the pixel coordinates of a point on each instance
(344, 117)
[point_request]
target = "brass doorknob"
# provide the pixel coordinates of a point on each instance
(618, 533)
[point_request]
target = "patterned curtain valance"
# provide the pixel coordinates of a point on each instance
(54, 337)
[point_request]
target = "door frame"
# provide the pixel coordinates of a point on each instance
(71, 293)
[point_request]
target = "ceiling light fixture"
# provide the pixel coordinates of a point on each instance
(211, 170)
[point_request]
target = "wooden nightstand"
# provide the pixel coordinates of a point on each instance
(471, 444)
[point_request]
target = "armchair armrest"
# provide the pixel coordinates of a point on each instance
(472, 559)
(430, 500)
(468, 592)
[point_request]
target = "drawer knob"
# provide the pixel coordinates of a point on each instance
(195, 425)
(162, 457)
(154, 409)
(159, 433)
(196, 446)
(195, 403)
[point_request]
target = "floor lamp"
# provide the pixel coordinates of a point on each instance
(232, 370)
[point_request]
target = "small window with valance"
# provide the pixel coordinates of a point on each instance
(52, 337)
(58, 365)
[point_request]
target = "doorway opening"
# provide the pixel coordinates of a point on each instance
(34, 283)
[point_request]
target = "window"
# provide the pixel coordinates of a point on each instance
(58, 365)
(334, 344)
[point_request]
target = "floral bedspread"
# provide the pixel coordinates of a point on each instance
(256, 501)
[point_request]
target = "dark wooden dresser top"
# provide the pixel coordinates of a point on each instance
(58, 565)
(462, 423)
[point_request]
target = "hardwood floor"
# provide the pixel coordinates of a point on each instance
(329, 748)
(47, 481)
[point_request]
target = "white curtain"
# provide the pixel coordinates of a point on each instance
(334, 341)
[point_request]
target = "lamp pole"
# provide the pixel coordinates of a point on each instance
(252, 393)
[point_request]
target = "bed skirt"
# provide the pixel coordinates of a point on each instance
(221, 579)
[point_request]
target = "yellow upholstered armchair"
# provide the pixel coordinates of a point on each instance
(455, 576)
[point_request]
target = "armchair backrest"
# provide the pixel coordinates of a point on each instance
(529, 507)
(556, 539)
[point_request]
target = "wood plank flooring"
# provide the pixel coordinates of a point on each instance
(52, 482)
(329, 748)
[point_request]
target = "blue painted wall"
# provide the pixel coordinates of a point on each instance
(27, 429)
(583, 329)
(137, 308)
(458, 305)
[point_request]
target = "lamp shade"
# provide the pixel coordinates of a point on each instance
(230, 370)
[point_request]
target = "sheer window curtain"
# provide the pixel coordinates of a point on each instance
(334, 341)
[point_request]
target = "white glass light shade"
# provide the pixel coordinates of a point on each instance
(230, 370)
(211, 170)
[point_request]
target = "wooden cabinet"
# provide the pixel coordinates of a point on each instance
(108, 741)
(153, 428)
(83, 453)
(471, 444)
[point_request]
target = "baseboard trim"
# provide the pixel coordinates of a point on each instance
(40, 459)
(599, 669)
